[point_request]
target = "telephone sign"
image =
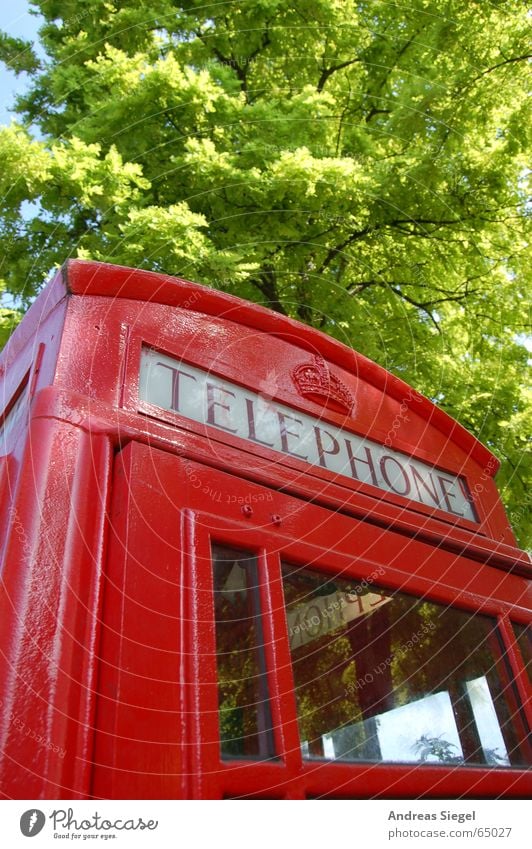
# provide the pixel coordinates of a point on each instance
(211, 400)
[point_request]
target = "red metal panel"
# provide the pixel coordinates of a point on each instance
(278, 656)
(49, 612)
(96, 341)
(178, 486)
(113, 332)
(42, 323)
(251, 357)
(201, 676)
(306, 529)
(415, 782)
(116, 283)
(139, 739)
(519, 673)
(222, 508)
(378, 513)
(121, 426)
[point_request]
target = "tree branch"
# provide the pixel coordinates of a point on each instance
(500, 65)
(373, 111)
(333, 252)
(327, 72)
(239, 69)
(422, 306)
(266, 284)
(514, 469)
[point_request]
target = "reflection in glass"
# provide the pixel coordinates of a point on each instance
(244, 709)
(381, 677)
(524, 640)
(491, 739)
(14, 417)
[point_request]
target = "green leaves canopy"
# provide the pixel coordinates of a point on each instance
(358, 165)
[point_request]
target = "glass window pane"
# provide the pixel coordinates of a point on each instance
(382, 677)
(14, 418)
(245, 716)
(524, 639)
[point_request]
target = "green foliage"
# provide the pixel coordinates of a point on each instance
(17, 54)
(8, 321)
(360, 166)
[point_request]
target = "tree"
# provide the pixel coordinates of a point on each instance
(357, 165)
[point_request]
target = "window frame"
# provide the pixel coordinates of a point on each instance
(292, 776)
(264, 721)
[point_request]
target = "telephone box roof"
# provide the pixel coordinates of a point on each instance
(87, 278)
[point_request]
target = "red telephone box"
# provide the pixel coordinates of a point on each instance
(241, 560)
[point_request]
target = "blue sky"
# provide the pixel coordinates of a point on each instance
(15, 19)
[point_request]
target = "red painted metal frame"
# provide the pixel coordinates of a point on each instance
(208, 323)
(132, 402)
(182, 343)
(307, 535)
(73, 594)
(139, 748)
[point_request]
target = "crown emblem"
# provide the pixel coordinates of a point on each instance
(315, 381)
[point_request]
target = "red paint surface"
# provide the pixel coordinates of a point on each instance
(106, 618)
